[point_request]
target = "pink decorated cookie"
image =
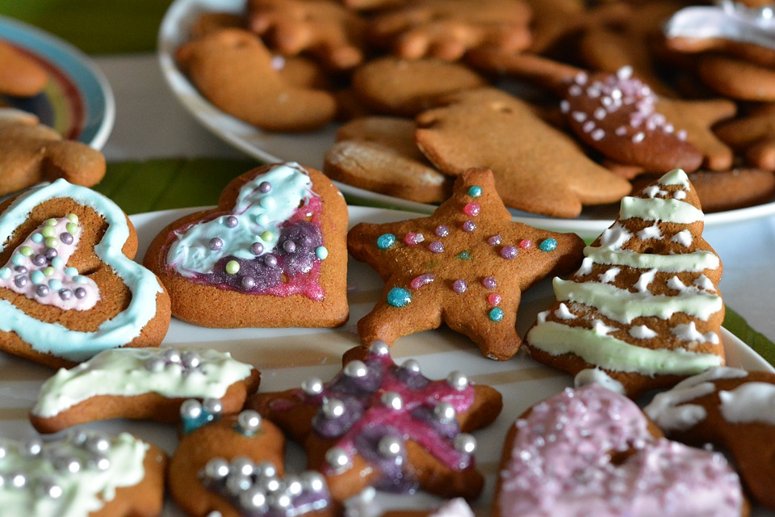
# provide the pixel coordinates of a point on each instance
(591, 451)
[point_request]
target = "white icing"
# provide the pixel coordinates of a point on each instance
(542, 316)
(676, 284)
(688, 262)
(122, 372)
(586, 266)
(667, 210)
(650, 232)
(675, 177)
(642, 332)
(688, 332)
(615, 237)
(609, 275)
(600, 328)
(642, 285)
(597, 376)
(718, 22)
(749, 402)
(703, 282)
(653, 191)
(454, 508)
(679, 194)
(669, 409)
(564, 313)
(624, 306)
(362, 504)
(684, 238)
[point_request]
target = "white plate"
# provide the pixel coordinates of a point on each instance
(310, 148)
(288, 356)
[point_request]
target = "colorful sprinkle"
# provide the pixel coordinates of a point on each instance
(18, 259)
(26, 251)
(413, 239)
(436, 247)
(72, 218)
(494, 240)
(215, 244)
(37, 237)
(37, 277)
(495, 314)
(57, 262)
(399, 297)
(256, 248)
(267, 236)
(549, 244)
(525, 244)
(231, 221)
(5, 273)
(471, 209)
(51, 222)
(494, 299)
(474, 191)
(469, 226)
(71, 227)
(489, 282)
(51, 242)
(464, 255)
(264, 187)
(49, 271)
(508, 252)
(421, 280)
(55, 284)
(71, 271)
(459, 286)
(442, 230)
(385, 241)
(232, 267)
(321, 252)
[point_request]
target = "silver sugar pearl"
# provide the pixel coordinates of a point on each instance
(465, 443)
(266, 469)
(444, 412)
(333, 408)
(3, 451)
(392, 400)
(16, 479)
(313, 481)
(293, 486)
(256, 248)
(356, 369)
(212, 406)
(264, 187)
(338, 458)
(190, 359)
(237, 483)
(67, 464)
(379, 348)
(33, 447)
(390, 446)
(41, 290)
(247, 282)
(171, 355)
(231, 221)
(190, 409)
(65, 294)
(216, 469)
(289, 246)
(312, 386)
(78, 437)
(253, 499)
(100, 462)
(457, 380)
(249, 421)
(46, 487)
(97, 444)
(280, 501)
(20, 281)
(39, 259)
(80, 293)
(215, 244)
(270, 260)
(270, 484)
(411, 365)
(155, 364)
(242, 465)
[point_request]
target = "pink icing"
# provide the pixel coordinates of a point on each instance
(561, 464)
(58, 285)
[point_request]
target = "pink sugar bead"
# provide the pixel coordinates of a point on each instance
(494, 299)
(471, 209)
(525, 244)
(421, 280)
(412, 238)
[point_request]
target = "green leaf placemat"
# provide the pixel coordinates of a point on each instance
(737, 325)
(169, 183)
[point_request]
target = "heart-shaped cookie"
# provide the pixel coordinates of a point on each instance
(272, 254)
(68, 286)
(591, 451)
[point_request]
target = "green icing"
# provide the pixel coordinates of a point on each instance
(688, 262)
(657, 209)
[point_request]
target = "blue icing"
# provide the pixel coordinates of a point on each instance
(122, 328)
(259, 216)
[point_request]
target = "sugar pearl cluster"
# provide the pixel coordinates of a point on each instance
(374, 406)
(256, 489)
(79, 451)
(402, 296)
(38, 267)
(616, 92)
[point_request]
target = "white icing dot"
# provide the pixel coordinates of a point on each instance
(564, 313)
(642, 285)
(650, 232)
(684, 238)
(597, 135)
(600, 328)
(638, 137)
(642, 332)
(579, 116)
(676, 284)
(609, 275)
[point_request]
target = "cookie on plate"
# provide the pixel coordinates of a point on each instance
(31, 152)
(20, 75)
(143, 384)
(68, 285)
(84, 473)
(644, 306)
(271, 254)
(593, 450)
(730, 408)
(466, 265)
(381, 425)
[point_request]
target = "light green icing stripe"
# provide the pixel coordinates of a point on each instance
(122, 372)
(685, 262)
(657, 209)
(675, 177)
(84, 492)
(121, 329)
(624, 306)
(617, 355)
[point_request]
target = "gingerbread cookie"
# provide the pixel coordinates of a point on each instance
(84, 473)
(537, 168)
(145, 384)
(453, 508)
(234, 466)
(753, 136)
(644, 306)
(465, 266)
(378, 424)
(31, 153)
(272, 254)
(446, 29)
(322, 28)
(593, 450)
(730, 408)
(68, 286)
(737, 78)
(20, 74)
(380, 155)
(405, 88)
(234, 70)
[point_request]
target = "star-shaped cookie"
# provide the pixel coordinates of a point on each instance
(387, 426)
(465, 265)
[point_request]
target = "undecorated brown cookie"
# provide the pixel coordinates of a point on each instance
(142, 384)
(379, 154)
(68, 285)
(737, 78)
(20, 74)
(753, 136)
(272, 254)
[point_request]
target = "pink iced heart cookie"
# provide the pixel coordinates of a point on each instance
(591, 451)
